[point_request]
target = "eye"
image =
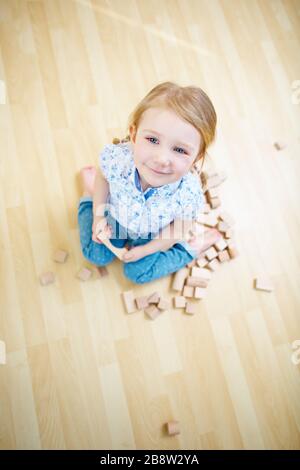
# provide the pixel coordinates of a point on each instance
(149, 138)
(183, 151)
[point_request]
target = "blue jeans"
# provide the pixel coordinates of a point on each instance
(144, 270)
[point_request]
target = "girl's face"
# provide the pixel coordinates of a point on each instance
(164, 147)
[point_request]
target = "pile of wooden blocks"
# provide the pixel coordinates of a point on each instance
(153, 305)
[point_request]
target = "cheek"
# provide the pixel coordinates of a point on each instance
(142, 152)
(182, 165)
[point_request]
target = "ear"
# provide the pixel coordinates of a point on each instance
(132, 133)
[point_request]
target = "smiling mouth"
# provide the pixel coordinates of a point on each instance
(159, 172)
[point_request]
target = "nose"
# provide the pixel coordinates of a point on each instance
(162, 159)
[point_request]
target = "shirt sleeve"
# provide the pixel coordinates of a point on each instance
(191, 199)
(114, 161)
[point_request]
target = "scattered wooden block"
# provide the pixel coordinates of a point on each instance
(213, 192)
(190, 308)
(220, 245)
(215, 202)
(229, 233)
(232, 251)
(179, 278)
(210, 220)
(84, 274)
(173, 428)
(206, 208)
(225, 217)
(195, 281)
(142, 302)
(129, 301)
(263, 283)
(223, 226)
(179, 301)
(204, 273)
(154, 298)
(213, 181)
(213, 264)
(60, 256)
(102, 271)
(164, 304)
(223, 256)
(152, 311)
(202, 262)
(47, 278)
(188, 291)
(2, 352)
(200, 292)
(279, 145)
(211, 253)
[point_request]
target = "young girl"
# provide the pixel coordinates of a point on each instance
(144, 194)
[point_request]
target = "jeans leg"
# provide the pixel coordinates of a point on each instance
(95, 253)
(158, 264)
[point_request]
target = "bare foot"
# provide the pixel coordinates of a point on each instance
(205, 240)
(88, 175)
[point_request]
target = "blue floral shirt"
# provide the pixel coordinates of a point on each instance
(144, 212)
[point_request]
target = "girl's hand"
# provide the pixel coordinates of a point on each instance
(100, 225)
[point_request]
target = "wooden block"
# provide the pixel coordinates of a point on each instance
(142, 302)
(190, 308)
(201, 218)
(179, 301)
(196, 271)
(263, 283)
(2, 352)
(129, 301)
(232, 251)
(213, 192)
(201, 262)
(200, 292)
(195, 281)
(188, 291)
(213, 264)
(229, 233)
(210, 220)
(47, 278)
(102, 271)
(84, 274)
(211, 253)
(213, 181)
(204, 273)
(215, 202)
(220, 245)
(179, 279)
(164, 304)
(225, 217)
(154, 298)
(223, 256)
(279, 145)
(206, 208)
(152, 311)
(60, 256)
(223, 226)
(172, 428)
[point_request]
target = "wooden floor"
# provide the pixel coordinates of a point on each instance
(80, 372)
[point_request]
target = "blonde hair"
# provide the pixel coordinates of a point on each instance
(191, 103)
